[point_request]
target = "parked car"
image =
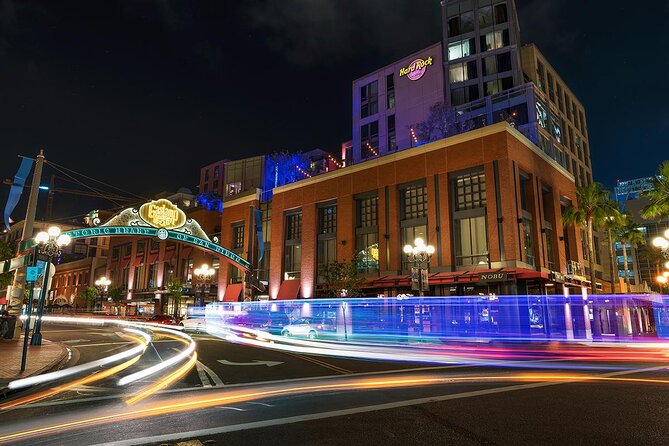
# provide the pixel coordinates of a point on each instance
(275, 323)
(164, 319)
(197, 323)
(306, 327)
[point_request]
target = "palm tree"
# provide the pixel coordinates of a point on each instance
(610, 224)
(658, 195)
(629, 233)
(653, 256)
(593, 207)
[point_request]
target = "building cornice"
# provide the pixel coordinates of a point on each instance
(426, 148)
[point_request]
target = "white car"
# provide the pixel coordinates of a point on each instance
(305, 327)
(196, 323)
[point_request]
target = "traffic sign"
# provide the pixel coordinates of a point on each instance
(32, 273)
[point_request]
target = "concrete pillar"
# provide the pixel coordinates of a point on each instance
(586, 314)
(568, 321)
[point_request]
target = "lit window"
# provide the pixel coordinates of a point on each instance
(461, 48)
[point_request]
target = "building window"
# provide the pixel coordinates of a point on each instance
(413, 216)
(292, 263)
(541, 79)
(461, 48)
(233, 188)
(390, 91)
(462, 71)
(369, 140)
(153, 275)
(551, 91)
(327, 238)
(485, 16)
(367, 234)
(127, 250)
(369, 95)
(125, 278)
(470, 191)
(463, 95)
(139, 277)
(525, 200)
(469, 216)
(560, 102)
(542, 114)
(392, 138)
(500, 13)
(498, 85)
(494, 40)
(238, 236)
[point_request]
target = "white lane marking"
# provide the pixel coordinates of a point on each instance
(254, 362)
(356, 410)
(231, 408)
(217, 380)
(203, 376)
(76, 341)
(260, 404)
(102, 344)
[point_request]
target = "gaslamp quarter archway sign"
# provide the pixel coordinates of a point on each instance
(161, 219)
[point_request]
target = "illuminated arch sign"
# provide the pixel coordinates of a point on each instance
(416, 69)
(106, 231)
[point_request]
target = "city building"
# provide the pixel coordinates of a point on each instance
(489, 200)
(481, 71)
(644, 262)
(212, 178)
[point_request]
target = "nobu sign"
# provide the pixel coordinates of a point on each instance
(493, 277)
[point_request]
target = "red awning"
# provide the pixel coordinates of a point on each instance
(169, 254)
(185, 252)
(232, 292)
(3, 301)
(125, 263)
(289, 289)
(138, 260)
(152, 258)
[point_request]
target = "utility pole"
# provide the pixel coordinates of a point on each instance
(16, 297)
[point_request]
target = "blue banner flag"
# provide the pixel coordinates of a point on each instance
(17, 187)
(258, 225)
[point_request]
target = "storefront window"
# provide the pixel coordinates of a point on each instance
(292, 263)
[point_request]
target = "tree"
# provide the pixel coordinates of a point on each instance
(342, 279)
(592, 208)
(611, 222)
(175, 288)
(442, 122)
(116, 295)
(90, 295)
(653, 256)
(658, 195)
(6, 253)
(629, 234)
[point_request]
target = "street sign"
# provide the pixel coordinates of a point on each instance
(32, 272)
(493, 277)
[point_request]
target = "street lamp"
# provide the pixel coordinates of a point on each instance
(203, 275)
(49, 244)
(662, 243)
(420, 255)
(102, 285)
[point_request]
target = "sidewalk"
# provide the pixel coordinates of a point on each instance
(41, 359)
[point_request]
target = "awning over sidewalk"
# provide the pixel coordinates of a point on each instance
(454, 277)
(125, 263)
(138, 260)
(232, 292)
(152, 258)
(289, 289)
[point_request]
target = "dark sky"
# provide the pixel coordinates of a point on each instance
(141, 94)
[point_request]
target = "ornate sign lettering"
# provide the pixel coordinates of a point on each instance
(162, 214)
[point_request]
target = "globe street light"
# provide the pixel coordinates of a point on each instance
(49, 244)
(102, 285)
(203, 276)
(420, 255)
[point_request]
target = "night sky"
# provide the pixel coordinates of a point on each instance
(141, 94)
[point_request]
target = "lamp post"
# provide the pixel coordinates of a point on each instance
(420, 255)
(102, 284)
(203, 275)
(49, 244)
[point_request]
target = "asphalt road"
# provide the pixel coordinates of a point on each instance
(298, 399)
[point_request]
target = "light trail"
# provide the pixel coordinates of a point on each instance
(60, 374)
(222, 398)
(166, 381)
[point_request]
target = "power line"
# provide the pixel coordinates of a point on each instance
(97, 192)
(97, 181)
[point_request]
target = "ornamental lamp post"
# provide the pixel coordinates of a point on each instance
(419, 254)
(49, 244)
(102, 284)
(203, 275)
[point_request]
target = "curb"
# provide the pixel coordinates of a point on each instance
(64, 356)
